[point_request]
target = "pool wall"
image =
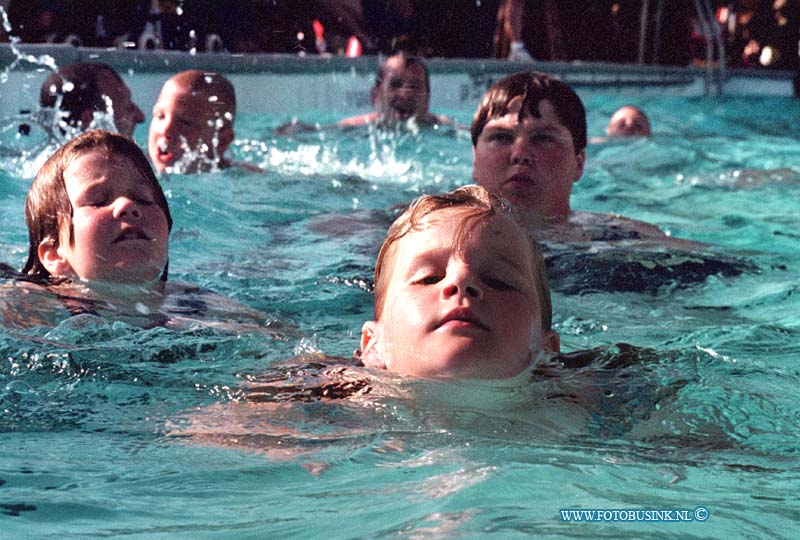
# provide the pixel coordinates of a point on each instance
(291, 84)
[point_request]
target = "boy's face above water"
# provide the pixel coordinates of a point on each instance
(530, 161)
(185, 120)
(459, 311)
(403, 93)
(120, 233)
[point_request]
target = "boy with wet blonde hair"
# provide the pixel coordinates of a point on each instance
(460, 291)
(192, 125)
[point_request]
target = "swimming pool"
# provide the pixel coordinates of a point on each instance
(93, 409)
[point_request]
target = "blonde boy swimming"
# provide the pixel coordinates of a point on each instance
(460, 291)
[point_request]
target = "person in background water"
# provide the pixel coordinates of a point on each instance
(511, 14)
(82, 89)
(628, 121)
(402, 91)
(192, 125)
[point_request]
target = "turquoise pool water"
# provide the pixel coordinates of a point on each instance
(112, 430)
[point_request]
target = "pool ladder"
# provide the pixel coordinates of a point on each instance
(714, 81)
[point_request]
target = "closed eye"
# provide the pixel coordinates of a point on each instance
(93, 198)
(498, 284)
(98, 202)
(428, 280)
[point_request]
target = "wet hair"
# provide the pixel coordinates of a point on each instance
(48, 208)
(481, 206)
(533, 87)
(408, 61)
(84, 94)
(210, 83)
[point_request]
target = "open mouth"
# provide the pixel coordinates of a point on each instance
(164, 155)
(132, 233)
(403, 109)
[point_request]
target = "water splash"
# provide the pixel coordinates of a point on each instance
(43, 60)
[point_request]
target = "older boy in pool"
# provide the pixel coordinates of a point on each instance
(192, 125)
(402, 91)
(529, 146)
(460, 291)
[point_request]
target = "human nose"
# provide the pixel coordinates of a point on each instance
(168, 127)
(462, 283)
(126, 207)
(521, 151)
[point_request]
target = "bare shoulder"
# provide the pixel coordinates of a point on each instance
(359, 120)
(440, 119)
(191, 306)
(247, 166)
(597, 227)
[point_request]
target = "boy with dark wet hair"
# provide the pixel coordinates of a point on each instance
(402, 91)
(81, 89)
(529, 146)
(529, 142)
(95, 211)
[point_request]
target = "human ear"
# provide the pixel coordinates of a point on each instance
(580, 157)
(87, 116)
(53, 259)
(473, 164)
(225, 137)
(370, 339)
(552, 342)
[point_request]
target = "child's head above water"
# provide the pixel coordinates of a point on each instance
(529, 140)
(628, 121)
(194, 115)
(460, 291)
(96, 211)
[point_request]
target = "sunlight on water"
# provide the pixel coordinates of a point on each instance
(120, 424)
